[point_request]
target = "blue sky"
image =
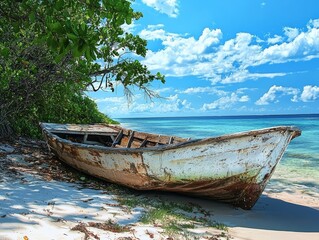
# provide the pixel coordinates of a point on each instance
(225, 57)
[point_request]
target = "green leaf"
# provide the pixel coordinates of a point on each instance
(72, 36)
(84, 27)
(59, 57)
(128, 20)
(65, 43)
(59, 5)
(76, 53)
(32, 17)
(5, 52)
(92, 53)
(87, 54)
(56, 27)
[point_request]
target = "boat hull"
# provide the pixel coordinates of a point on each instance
(231, 168)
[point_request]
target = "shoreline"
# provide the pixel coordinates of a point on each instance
(39, 197)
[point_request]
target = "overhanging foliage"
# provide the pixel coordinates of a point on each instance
(48, 53)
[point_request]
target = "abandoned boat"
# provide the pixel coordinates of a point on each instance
(232, 168)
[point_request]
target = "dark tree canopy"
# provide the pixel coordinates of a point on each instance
(48, 53)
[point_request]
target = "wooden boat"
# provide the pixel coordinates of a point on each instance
(230, 168)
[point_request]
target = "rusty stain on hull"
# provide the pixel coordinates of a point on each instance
(231, 168)
(243, 194)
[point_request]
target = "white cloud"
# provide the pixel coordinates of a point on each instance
(275, 39)
(313, 23)
(171, 104)
(207, 39)
(169, 7)
(309, 93)
(129, 28)
(179, 50)
(291, 33)
(276, 91)
(242, 75)
(209, 90)
(111, 100)
(162, 90)
(231, 61)
(119, 106)
(153, 32)
(225, 102)
(304, 47)
(244, 98)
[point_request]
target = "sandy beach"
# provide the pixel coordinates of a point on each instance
(40, 198)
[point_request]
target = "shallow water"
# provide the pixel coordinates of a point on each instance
(299, 167)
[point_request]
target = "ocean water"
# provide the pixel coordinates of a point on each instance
(299, 167)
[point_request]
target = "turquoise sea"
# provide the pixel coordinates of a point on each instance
(299, 167)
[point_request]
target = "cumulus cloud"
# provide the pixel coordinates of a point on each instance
(153, 32)
(180, 53)
(169, 7)
(179, 50)
(291, 33)
(276, 91)
(242, 75)
(163, 90)
(275, 39)
(309, 93)
(304, 47)
(207, 39)
(232, 60)
(171, 104)
(120, 107)
(225, 102)
(209, 90)
(313, 23)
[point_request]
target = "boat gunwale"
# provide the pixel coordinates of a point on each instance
(193, 142)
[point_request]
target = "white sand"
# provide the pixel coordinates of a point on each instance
(48, 210)
(37, 209)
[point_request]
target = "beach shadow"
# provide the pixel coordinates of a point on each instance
(268, 214)
(32, 200)
(276, 214)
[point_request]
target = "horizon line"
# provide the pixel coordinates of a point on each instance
(246, 115)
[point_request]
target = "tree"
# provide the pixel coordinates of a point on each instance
(49, 51)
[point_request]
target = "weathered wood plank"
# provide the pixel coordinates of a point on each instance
(152, 137)
(96, 129)
(118, 138)
(130, 140)
(143, 144)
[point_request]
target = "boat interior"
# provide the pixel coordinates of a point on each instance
(115, 136)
